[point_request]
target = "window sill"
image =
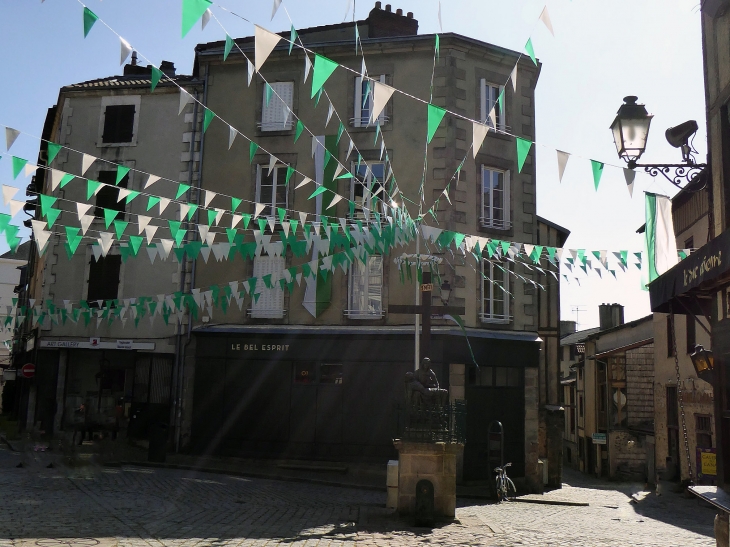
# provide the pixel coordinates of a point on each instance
(353, 314)
(495, 320)
(133, 142)
(503, 227)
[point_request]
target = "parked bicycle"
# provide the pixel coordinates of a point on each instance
(505, 487)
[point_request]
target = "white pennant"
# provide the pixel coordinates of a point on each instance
(210, 239)
(219, 215)
(479, 132)
(123, 193)
(257, 209)
(208, 197)
(493, 118)
(185, 99)
(285, 226)
(149, 232)
(85, 222)
(264, 42)
(29, 169)
(272, 164)
(349, 149)
(251, 70)
(272, 224)
(307, 66)
(82, 209)
(335, 201)
(142, 223)
(165, 246)
(105, 241)
(9, 193)
(338, 170)
(513, 77)
(440, 25)
(329, 114)
(277, 3)
(164, 202)
(205, 253)
(40, 234)
(562, 162)
(151, 180)
(545, 18)
(56, 177)
(302, 218)
(15, 207)
(305, 180)
(152, 252)
(126, 50)
(205, 18)
(630, 175)
(381, 96)
(86, 161)
(231, 135)
(235, 220)
(363, 69)
(184, 210)
(315, 144)
(10, 136)
(203, 229)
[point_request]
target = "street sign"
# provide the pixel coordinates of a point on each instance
(427, 287)
(599, 438)
(28, 370)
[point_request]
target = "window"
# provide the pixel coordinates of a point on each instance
(118, 121)
(703, 429)
(572, 351)
(104, 278)
(691, 333)
(495, 199)
(489, 99)
(270, 304)
(366, 289)
(580, 406)
(276, 113)
(497, 377)
(495, 302)
(572, 410)
(330, 374)
(670, 337)
(271, 189)
(107, 197)
(366, 186)
(364, 103)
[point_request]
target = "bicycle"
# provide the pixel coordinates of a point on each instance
(504, 484)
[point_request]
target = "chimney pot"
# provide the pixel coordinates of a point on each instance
(134, 58)
(378, 5)
(410, 15)
(399, 11)
(387, 7)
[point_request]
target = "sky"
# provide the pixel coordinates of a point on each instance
(601, 52)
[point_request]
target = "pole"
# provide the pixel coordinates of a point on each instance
(426, 316)
(417, 351)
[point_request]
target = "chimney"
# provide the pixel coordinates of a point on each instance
(167, 68)
(610, 316)
(567, 327)
(134, 58)
(386, 23)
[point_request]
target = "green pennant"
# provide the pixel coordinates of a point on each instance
(323, 69)
(53, 150)
(327, 157)
(292, 38)
(523, 149)
(109, 216)
(625, 257)
(282, 213)
(207, 118)
(438, 43)
(211, 217)
(135, 242)
(121, 173)
(191, 211)
(151, 201)
(319, 96)
(192, 249)
(267, 281)
(46, 203)
(235, 202)
(262, 224)
(192, 10)
(530, 51)
(505, 247)
(289, 173)
(175, 228)
(51, 217)
(252, 285)
(500, 101)
(435, 115)
(89, 19)
(132, 194)
(268, 92)
(340, 131)
(119, 227)
(155, 77)
(375, 140)
(18, 164)
(231, 233)
(252, 150)
(227, 49)
(597, 172)
(317, 192)
(66, 179)
(347, 175)
(179, 253)
(91, 187)
(293, 224)
(299, 129)
(4, 221)
(181, 189)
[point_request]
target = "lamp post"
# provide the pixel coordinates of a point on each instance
(630, 131)
(704, 363)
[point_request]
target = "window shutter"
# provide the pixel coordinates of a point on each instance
(274, 116)
(483, 100)
(505, 196)
(271, 301)
(358, 101)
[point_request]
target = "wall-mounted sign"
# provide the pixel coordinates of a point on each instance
(426, 287)
(706, 465)
(259, 347)
(599, 438)
(27, 370)
(95, 343)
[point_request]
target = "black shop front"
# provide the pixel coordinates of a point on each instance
(337, 393)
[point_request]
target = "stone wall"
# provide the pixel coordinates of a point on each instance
(533, 479)
(640, 386)
(627, 456)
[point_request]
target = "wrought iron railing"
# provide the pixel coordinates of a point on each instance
(433, 423)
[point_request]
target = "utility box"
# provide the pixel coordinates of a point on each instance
(392, 484)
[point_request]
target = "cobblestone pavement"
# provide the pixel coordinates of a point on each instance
(139, 507)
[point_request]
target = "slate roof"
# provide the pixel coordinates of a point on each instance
(578, 337)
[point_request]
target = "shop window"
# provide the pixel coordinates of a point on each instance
(703, 430)
(366, 288)
(305, 373)
(366, 188)
(153, 379)
(495, 199)
(103, 283)
(330, 374)
(495, 302)
(271, 189)
(276, 109)
(270, 304)
(489, 95)
(364, 102)
(107, 197)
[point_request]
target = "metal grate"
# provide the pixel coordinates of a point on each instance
(436, 424)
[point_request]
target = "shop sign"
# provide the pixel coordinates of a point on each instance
(237, 346)
(94, 343)
(599, 438)
(706, 463)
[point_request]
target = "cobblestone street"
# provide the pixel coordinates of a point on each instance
(134, 506)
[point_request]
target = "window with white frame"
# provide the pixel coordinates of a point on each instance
(495, 300)
(489, 99)
(495, 199)
(276, 109)
(365, 299)
(271, 189)
(270, 304)
(364, 102)
(366, 186)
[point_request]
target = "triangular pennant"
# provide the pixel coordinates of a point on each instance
(51, 217)
(597, 172)
(231, 135)
(181, 189)
(150, 181)
(155, 77)
(15, 207)
(105, 242)
(164, 202)
(89, 19)
(185, 99)
(277, 3)
(335, 201)
(149, 232)
(192, 10)
(630, 175)
(53, 150)
(323, 69)
(10, 136)
(85, 222)
(545, 18)
(123, 193)
(479, 132)
(264, 42)
(184, 209)
(109, 216)
(119, 227)
(513, 78)
(381, 96)
(530, 51)
(330, 110)
(228, 47)
(9, 192)
(92, 188)
(205, 19)
(208, 116)
(258, 207)
(307, 66)
(249, 72)
(86, 161)
(40, 234)
(18, 164)
(125, 48)
(208, 197)
(435, 115)
(56, 177)
(142, 223)
(523, 149)
(305, 181)
(292, 38)
(562, 162)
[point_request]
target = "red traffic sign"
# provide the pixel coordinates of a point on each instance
(28, 370)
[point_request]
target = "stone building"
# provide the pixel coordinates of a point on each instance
(125, 374)
(317, 371)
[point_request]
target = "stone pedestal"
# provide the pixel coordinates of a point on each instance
(435, 462)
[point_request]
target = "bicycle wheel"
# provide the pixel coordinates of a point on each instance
(501, 490)
(510, 487)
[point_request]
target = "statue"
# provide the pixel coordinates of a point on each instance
(422, 387)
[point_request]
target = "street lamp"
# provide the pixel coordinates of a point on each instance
(704, 363)
(630, 131)
(445, 292)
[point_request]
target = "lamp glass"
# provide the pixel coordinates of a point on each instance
(631, 129)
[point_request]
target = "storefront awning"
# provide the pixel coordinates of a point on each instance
(698, 273)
